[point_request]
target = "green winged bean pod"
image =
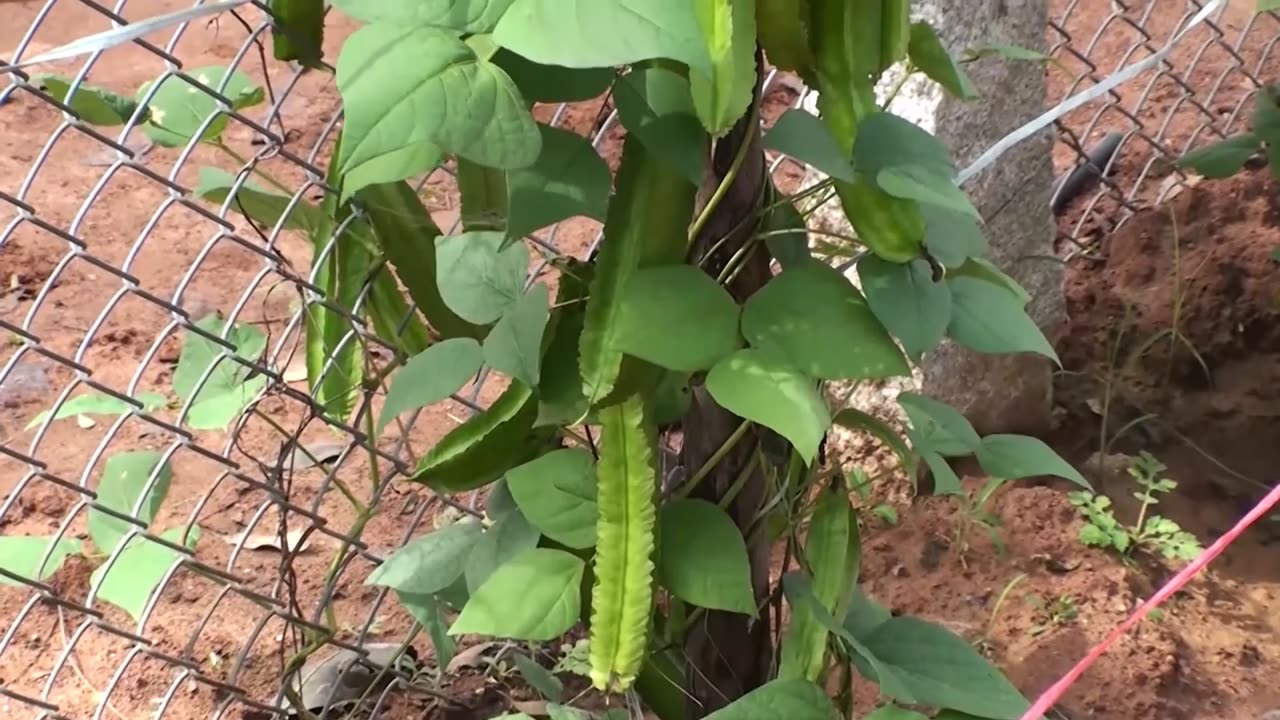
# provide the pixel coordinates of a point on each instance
(622, 596)
(833, 554)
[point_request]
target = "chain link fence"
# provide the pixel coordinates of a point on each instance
(113, 262)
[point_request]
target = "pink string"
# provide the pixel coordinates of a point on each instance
(1055, 692)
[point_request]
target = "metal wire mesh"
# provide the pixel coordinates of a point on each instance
(108, 260)
(1202, 92)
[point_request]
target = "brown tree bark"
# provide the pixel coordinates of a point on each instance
(729, 654)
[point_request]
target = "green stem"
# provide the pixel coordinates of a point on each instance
(907, 71)
(719, 455)
(740, 481)
(253, 168)
(739, 159)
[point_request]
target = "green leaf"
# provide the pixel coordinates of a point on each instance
(539, 678)
(393, 319)
(431, 376)
(786, 234)
(94, 105)
(988, 318)
(984, 269)
(406, 235)
(96, 403)
(560, 397)
(1268, 5)
(1008, 52)
(928, 54)
(654, 321)
(389, 73)
(907, 162)
(467, 16)
(569, 179)
(427, 611)
(854, 419)
(783, 26)
(905, 298)
(1222, 159)
(729, 33)
(228, 388)
(945, 480)
(804, 137)
(1017, 456)
(430, 563)
(718, 575)
(655, 105)
(21, 555)
(924, 185)
(124, 478)
(480, 450)
(865, 615)
(941, 669)
(536, 597)
(540, 83)
(514, 346)
(798, 589)
(938, 426)
(952, 237)
(780, 700)
(297, 32)
(647, 225)
(564, 712)
(484, 196)
(402, 163)
(1266, 116)
(479, 278)
(557, 493)
(179, 109)
(586, 33)
(671, 398)
(822, 324)
(140, 567)
(263, 206)
(759, 385)
(507, 538)
(893, 712)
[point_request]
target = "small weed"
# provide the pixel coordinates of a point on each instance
(984, 643)
(574, 659)
(1057, 612)
(975, 512)
(1153, 534)
(887, 513)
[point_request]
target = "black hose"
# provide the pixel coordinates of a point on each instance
(1080, 178)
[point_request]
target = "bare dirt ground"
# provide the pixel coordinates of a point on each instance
(1209, 657)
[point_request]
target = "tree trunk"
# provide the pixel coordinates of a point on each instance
(729, 654)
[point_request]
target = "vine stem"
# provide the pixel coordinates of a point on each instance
(739, 159)
(719, 455)
(253, 168)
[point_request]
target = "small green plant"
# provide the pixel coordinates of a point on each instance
(974, 512)
(217, 389)
(574, 659)
(1151, 533)
(1058, 611)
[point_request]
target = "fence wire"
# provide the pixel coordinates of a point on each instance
(109, 260)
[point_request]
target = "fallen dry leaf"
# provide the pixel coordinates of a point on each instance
(470, 657)
(265, 541)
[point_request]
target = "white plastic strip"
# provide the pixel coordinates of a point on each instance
(124, 33)
(1009, 141)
